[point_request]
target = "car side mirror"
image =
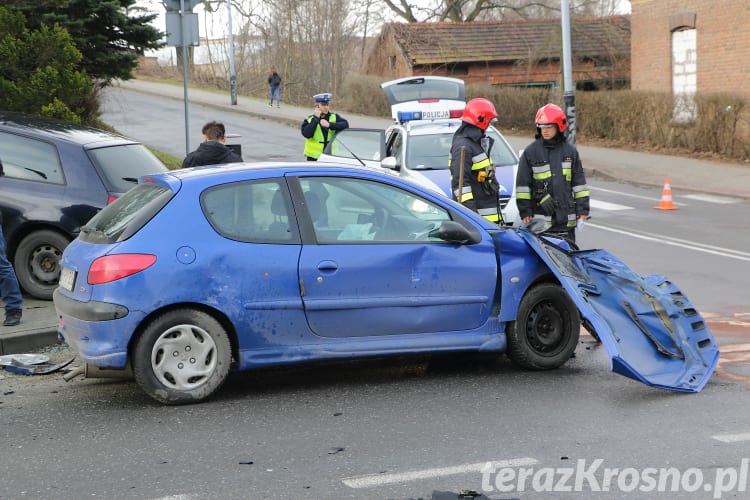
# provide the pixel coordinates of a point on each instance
(452, 232)
(390, 162)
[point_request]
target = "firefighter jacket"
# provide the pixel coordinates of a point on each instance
(318, 136)
(477, 188)
(550, 182)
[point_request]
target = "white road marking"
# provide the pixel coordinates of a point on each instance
(732, 438)
(713, 198)
(631, 195)
(689, 245)
(605, 205)
(403, 477)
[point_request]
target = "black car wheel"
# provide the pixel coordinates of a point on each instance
(545, 333)
(183, 356)
(37, 262)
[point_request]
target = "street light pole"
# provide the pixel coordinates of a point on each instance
(232, 76)
(569, 98)
(183, 42)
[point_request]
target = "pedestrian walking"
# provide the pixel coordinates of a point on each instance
(473, 180)
(320, 127)
(274, 86)
(550, 180)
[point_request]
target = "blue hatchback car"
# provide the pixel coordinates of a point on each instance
(197, 272)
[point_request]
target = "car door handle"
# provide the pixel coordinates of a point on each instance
(327, 266)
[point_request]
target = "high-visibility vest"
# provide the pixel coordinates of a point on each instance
(314, 145)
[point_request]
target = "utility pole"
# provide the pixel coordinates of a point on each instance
(569, 98)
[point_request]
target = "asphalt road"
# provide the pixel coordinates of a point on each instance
(418, 427)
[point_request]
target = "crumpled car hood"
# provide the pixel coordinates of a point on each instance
(649, 328)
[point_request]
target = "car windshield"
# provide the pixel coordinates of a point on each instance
(432, 151)
(121, 166)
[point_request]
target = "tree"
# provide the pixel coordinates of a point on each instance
(109, 38)
(483, 10)
(39, 71)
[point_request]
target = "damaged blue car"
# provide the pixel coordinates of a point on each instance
(196, 273)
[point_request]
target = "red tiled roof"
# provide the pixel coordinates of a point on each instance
(431, 43)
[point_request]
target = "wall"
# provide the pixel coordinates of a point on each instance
(723, 38)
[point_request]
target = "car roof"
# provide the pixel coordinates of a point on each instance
(232, 172)
(59, 131)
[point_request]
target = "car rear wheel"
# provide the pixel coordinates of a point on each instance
(37, 262)
(183, 356)
(545, 333)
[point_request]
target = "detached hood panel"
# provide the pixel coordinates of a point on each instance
(649, 328)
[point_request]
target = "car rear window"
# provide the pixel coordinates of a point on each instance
(121, 166)
(126, 215)
(424, 88)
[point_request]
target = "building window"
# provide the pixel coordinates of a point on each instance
(391, 63)
(684, 74)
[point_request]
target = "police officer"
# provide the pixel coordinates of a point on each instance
(472, 172)
(550, 180)
(320, 127)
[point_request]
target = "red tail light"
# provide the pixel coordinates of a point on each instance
(110, 199)
(428, 100)
(456, 113)
(113, 267)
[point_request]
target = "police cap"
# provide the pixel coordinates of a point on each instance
(324, 97)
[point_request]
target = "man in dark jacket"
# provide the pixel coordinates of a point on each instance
(550, 180)
(472, 173)
(212, 150)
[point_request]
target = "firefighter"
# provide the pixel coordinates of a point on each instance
(550, 180)
(473, 180)
(320, 127)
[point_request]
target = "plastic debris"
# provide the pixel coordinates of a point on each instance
(43, 368)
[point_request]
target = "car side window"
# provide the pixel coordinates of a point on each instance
(254, 212)
(346, 210)
(30, 159)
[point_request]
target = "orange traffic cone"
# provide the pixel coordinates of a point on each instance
(666, 197)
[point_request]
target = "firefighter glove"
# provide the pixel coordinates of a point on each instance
(547, 204)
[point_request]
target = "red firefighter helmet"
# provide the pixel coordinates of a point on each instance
(549, 114)
(479, 112)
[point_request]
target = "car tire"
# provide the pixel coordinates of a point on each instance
(37, 262)
(182, 356)
(546, 331)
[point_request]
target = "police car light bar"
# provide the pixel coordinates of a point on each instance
(407, 116)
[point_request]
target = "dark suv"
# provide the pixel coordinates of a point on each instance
(55, 177)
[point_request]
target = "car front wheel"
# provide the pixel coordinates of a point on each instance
(183, 356)
(37, 262)
(545, 333)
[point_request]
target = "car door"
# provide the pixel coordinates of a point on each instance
(356, 146)
(374, 269)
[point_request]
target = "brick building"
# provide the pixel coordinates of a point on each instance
(517, 53)
(684, 46)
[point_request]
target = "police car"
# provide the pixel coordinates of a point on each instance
(427, 112)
